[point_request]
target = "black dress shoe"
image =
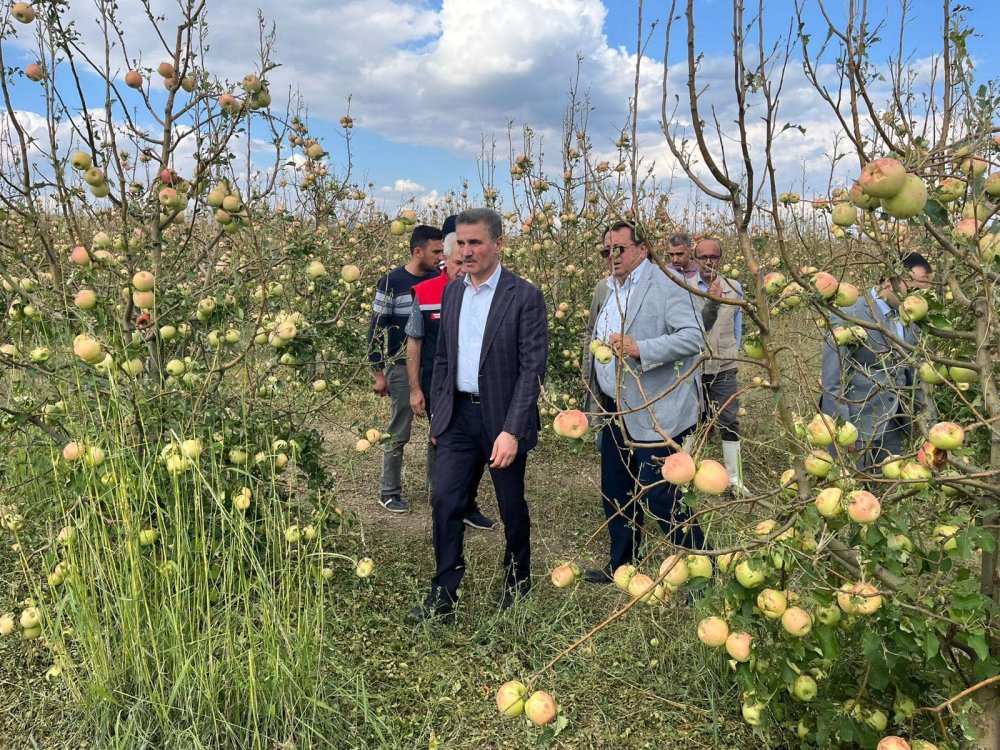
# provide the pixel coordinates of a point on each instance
(432, 611)
(599, 575)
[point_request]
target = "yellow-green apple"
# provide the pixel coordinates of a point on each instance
(133, 366)
(738, 646)
(143, 300)
(923, 745)
(678, 468)
(950, 189)
(788, 482)
(753, 713)
(845, 215)
(847, 294)
(350, 274)
(973, 166)
(977, 210)
(963, 374)
(796, 622)
(931, 374)
(749, 574)
(165, 69)
(946, 436)
(860, 198)
(94, 176)
(80, 161)
(892, 467)
(603, 353)
(713, 631)
(877, 720)
(510, 698)
(804, 688)
(315, 270)
(23, 12)
(772, 603)
(30, 617)
(828, 502)
(909, 201)
(87, 349)
(753, 347)
(828, 615)
(913, 308)
(944, 535)
(143, 281)
(915, 474)
(863, 507)
(728, 560)
(364, 568)
(773, 282)
(674, 570)
(966, 230)
(847, 434)
(641, 586)
(237, 456)
(821, 430)
(711, 477)
(819, 463)
(859, 599)
(85, 299)
(94, 456)
(540, 708)
(176, 367)
(883, 178)
(571, 423)
(623, 574)
(699, 566)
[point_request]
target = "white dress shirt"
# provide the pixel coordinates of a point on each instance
(471, 328)
(611, 320)
(890, 315)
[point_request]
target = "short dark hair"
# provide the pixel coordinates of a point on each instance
(679, 238)
(422, 234)
(637, 236)
(916, 260)
(487, 216)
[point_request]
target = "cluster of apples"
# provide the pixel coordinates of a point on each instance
(230, 213)
(404, 224)
(513, 699)
(94, 176)
(894, 742)
(30, 622)
(372, 437)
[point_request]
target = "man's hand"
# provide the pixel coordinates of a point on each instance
(623, 345)
(504, 451)
(381, 386)
(417, 402)
(715, 288)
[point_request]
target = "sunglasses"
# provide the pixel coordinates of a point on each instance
(616, 249)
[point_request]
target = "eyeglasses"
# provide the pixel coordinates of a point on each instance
(616, 249)
(703, 258)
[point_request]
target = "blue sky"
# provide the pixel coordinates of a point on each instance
(429, 79)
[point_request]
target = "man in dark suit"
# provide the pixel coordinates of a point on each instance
(871, 383)
(488, 372)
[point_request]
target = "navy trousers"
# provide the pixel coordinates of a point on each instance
(462, 452)
(626, 476)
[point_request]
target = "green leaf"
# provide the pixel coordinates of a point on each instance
(977, 643)
(931, 646)
(936, 212)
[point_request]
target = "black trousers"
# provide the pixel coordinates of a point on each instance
(462, 452)
(627, 479)
(472, 506)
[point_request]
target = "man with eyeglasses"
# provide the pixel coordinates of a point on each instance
(652, 326)
(719, 372)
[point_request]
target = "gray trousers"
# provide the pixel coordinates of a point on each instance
(400, 422)
(719, 388)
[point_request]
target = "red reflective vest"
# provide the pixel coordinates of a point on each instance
(427, 295)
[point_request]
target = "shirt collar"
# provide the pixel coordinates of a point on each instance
(631, 278)
(491, 282)
(881, 304)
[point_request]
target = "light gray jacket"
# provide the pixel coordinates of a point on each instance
(664, 320)
(870, 383)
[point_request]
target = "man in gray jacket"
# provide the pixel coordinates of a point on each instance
(652, 326)
(871, 381)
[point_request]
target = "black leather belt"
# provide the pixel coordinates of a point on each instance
(472, 398)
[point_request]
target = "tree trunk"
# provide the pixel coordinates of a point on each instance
(988, 725)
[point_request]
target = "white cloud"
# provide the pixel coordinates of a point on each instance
(403, 186)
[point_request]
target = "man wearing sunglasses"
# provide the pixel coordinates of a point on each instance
(718, 376)
(652, 326)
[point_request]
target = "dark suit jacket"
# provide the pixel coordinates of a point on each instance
(511, 366)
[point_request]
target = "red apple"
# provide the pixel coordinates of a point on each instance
(571, 423)
(738, 646)
(34, 72)
(678, 468)
(133, 79)
(796, 622)
(562, 576)
(882, 178)
(674, 570)
(863, 507)
(892, 742)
